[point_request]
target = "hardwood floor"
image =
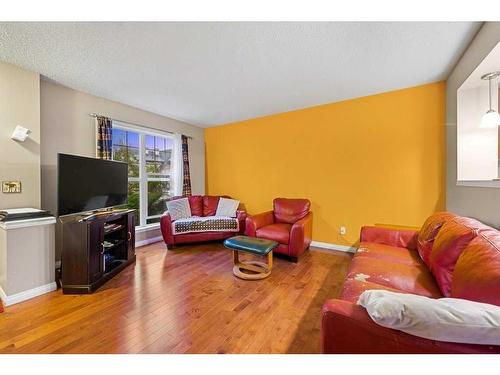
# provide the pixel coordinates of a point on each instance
(183, 301)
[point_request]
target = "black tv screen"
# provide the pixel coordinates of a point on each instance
(87, 184)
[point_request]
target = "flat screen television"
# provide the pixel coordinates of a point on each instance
(88, 184)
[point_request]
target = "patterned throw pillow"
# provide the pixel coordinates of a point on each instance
(179, 209)
(227, 207)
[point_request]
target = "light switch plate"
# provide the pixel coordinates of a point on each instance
(11, 187)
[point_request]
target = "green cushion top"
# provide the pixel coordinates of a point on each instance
(253, 245)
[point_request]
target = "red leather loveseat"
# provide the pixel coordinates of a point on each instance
(289, 224)
(451, 256)
(201, 206)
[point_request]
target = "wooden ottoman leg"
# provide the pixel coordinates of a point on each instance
(270, 260)
(261, 270)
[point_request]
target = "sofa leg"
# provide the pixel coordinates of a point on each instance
(170, 247)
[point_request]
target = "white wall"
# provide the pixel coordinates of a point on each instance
(20, 161)
(66, 127)
(26, 254)
(477, 148)
(480, 202)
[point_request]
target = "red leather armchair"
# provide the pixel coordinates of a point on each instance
(290, 224)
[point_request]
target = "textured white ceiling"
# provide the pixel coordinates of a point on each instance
(214, 73)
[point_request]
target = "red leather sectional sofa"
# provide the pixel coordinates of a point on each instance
(451, 256)
(201, 205)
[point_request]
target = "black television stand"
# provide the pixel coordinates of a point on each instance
(95, 248)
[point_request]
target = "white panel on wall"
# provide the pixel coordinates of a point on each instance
(477, 148)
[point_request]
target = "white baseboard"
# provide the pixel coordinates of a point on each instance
(148, 241)
(333, 246)
(27, 294)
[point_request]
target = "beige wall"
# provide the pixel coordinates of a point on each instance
(66, 127)
(482, 203)
(20, 105)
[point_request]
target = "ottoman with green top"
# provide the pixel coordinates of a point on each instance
(251, 245)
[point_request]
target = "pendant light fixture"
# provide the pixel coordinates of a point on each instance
(491, 119)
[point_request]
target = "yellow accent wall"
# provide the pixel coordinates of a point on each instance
(372, 160)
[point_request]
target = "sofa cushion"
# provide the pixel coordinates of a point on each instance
(179, 209)
(290, 210)
(279, 232)
(389, 253)
(477, 271)
(227, 207)
(451, 240)
(352, 289)
(405, 277)
(445, 319)
(429, 231)
(205, 224)
(210, 203)
(196, 204)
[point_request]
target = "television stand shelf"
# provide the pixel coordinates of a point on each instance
(96, 248)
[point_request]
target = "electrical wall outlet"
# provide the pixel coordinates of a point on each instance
(343, 230)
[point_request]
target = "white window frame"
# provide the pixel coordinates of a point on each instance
(143, 178)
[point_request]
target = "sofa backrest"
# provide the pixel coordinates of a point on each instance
(477, 272)
(451, 240)
(202, 205)
(290, 211)
(210, 203)
(428, 233)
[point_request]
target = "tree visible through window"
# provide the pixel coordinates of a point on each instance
(158, 172)
(149, 158)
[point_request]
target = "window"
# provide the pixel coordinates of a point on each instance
(149, 159)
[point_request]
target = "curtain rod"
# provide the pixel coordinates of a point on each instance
(132, 123)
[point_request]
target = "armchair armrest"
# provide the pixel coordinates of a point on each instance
(300, 235)
(388, 236)
(241, 216)
(255, 222)
(166, 228)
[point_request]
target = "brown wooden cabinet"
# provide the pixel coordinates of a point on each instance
(95, 248)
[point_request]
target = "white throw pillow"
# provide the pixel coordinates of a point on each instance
(179, 209)
(444, 319)
(227, 207)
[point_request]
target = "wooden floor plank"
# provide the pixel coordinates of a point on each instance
(185, 300)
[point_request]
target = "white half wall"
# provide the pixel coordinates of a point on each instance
(477, 148)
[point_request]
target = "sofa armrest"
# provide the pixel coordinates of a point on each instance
(255, 222)
(241, 216)
(406, 238)
(347, 328)
(300, 235)
(166, 228)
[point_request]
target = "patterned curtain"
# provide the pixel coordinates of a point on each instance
(104, 141)
(186, 181)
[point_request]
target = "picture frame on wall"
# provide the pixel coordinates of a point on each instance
(11, 187)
